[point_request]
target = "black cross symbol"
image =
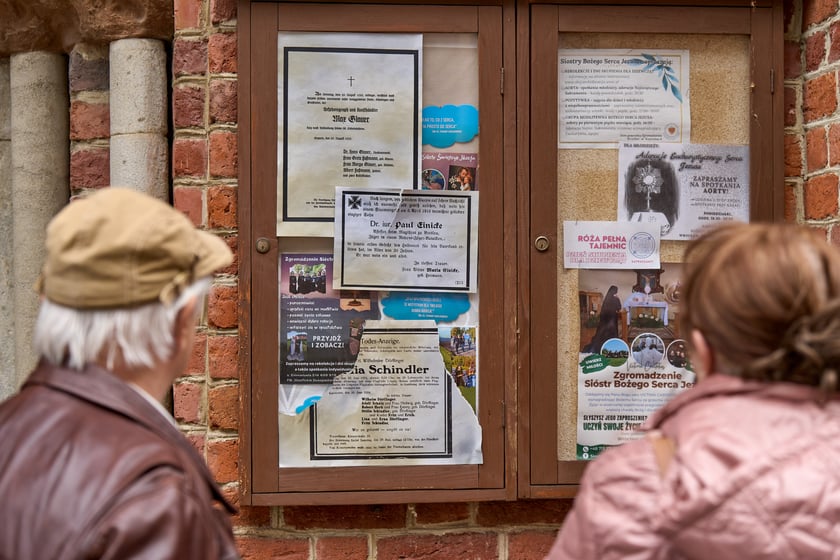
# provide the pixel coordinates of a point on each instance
(350, 79)
(354, 202)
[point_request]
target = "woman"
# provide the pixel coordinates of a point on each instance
(747, 463)
(607, 321)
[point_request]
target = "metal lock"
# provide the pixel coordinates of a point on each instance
(542, 243)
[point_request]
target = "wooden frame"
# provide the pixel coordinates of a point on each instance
(518, 40)
(540, 473)
(262, 481)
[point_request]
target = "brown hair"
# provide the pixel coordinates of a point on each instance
(767, 299)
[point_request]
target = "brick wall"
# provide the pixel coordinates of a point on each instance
(812, 120)
(89, 118)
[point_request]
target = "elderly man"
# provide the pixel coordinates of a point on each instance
(91, 464)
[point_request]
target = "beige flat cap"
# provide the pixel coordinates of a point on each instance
(121, 248)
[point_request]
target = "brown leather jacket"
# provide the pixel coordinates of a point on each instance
(89, 469)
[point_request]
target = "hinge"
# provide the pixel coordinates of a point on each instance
(772, 81)
(502, 81)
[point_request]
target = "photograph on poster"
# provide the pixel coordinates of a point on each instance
(449, 171)
(681, 188)
(320, 328)
(353, 99)
(459, 348)
(632, 353)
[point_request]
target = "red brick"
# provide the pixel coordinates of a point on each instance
(224, 356)
(221, 207)
(834, 236)
(223, 154)
(222, 10)
(87, 73)
(198, 441)
(223, 407)
(834, 144)
(187, 400)
(816, 11)
(198, 358)
(342, 548)
(429, 514)
(222, 306)
(223, 101)
(187, 14)
(793, 155)
(222, 53)
(792, 60)
(189, 201)
(819, 99)
(189, 56)
(90, 168)
(834, 42)
(89, 120)
(252, 548)
(523, 512)
(223, 459)
(188, 106)
(248, 516)
(530, 545)
(358, 517)
(791, 106)
(475, 546)
(816, 149)
(189, 157)
(819, 197)
(814, 51)
(790, 202)
(232, 268)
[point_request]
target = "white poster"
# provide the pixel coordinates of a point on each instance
(348, 114)
(633, 355)
(398, 405)
(610, 245)
(406, 240)
(682, 188)
(610, 95)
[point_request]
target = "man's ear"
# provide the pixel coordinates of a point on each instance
(185, 321)
(702, 355)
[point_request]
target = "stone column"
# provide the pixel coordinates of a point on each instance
(40, 163)
(139, 147)
(8, 377)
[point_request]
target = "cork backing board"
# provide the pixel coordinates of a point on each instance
(587, 179)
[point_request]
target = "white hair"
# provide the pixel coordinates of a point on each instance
(139, 336)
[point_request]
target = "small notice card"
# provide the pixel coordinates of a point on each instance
(610, 245)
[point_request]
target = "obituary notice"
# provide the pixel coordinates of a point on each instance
(348, 114)
(406, 240)
(398, 405)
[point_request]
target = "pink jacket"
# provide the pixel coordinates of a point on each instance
(756, 474)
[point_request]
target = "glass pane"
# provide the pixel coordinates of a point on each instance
(588, 179)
